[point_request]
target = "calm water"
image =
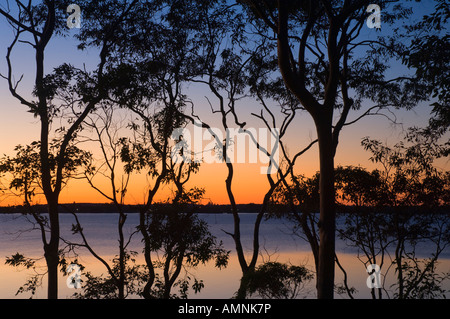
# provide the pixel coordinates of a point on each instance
(276, 240)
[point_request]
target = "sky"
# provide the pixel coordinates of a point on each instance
(17, 126)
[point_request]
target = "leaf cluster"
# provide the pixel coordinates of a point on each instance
(274, 280)
(184, 235)
(25, 167)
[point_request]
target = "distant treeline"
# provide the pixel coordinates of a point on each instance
(93, 208)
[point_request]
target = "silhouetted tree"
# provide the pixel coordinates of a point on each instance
(184, 241)
(391, 237)
(23, 175)
(388, 213)
(317, 43)
(109, 286)
(224, 64)
(415, 193)
(395, 210)
(428, 55)
(36, 25)
(104, 133)
(274, 280)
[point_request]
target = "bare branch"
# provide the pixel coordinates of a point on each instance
(19, 24)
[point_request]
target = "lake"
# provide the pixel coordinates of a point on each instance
(276, 240)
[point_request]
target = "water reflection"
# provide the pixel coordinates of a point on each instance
(277, 241)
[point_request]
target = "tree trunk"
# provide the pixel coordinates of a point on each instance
(122, 261)
(51, 257)
(52, 246)
(146, 293)
(243, 286)
(327, 218)
(51, 250)
(242, 291)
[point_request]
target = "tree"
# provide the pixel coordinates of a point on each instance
(428, 55)
(388, 213)
(170, 228)
(42, 23)
(274, 280)
(395, 210)
(223, 63)
(390, 236)
(184, 241)
(110, 286)
(23, 173)
(322, 74)
(105, 133)
(416, 193)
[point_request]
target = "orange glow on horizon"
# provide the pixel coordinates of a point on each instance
(248, 186)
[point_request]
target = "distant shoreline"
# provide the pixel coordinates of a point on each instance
(94, 208)
(103, 208)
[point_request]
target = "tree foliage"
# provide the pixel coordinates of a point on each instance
(24, 169)
(274, 280)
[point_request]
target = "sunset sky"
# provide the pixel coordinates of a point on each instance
(17, 126)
